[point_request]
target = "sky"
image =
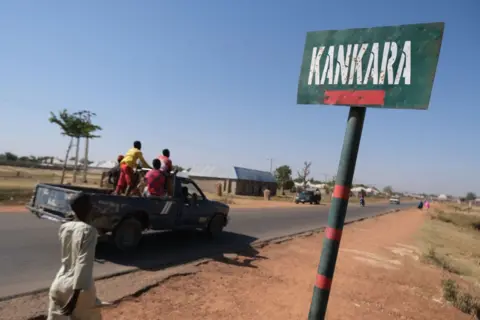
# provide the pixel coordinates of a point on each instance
(216, 81)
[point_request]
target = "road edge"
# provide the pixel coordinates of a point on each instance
(260, 243)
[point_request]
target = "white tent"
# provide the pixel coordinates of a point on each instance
(442, 197)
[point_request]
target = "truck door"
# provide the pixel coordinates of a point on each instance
(196, 206)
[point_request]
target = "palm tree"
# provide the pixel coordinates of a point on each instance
(88, 134)
(75, 126)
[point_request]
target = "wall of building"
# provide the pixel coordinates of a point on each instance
(237, 187)
(254, 188)
(210, 184)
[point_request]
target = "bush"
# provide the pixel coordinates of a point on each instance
(463, 301)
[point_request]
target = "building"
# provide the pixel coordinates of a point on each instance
(368, 191)
(234, 180)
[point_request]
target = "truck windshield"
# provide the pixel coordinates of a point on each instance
(192, 189)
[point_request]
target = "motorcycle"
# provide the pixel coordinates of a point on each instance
(362, 202)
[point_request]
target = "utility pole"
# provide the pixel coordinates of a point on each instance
(85, 157)
(271, 164)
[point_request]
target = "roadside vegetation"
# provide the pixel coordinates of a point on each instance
(451, 241)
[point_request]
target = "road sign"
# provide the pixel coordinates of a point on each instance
(387, 67)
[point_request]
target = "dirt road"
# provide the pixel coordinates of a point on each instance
(378, 277)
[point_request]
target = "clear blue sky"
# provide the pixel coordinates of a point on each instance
(215, 81)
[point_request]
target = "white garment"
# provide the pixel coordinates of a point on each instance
(78, 241)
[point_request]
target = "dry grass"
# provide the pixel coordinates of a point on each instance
(451, 240)
(17, 183)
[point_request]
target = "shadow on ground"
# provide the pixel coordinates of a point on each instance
(159, 250)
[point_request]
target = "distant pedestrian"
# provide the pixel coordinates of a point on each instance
(420, 205)
(72, 294)
(427, 205)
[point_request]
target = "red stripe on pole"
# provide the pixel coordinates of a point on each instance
(341, 192)
(333, 234)
(322, 282)
(355, 97)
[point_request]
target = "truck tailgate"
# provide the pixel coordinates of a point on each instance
(51, 202)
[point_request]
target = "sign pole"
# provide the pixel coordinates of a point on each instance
(336, 216)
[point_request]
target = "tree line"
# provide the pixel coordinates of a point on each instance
(12, 157)
(285, 181)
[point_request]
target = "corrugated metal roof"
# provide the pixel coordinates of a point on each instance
(254, 175)
(232, 172)
(213, 172)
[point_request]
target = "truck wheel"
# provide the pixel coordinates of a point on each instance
(215, 227)
(128, 234)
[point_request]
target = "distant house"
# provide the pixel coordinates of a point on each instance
(235, 180)
(368, 191)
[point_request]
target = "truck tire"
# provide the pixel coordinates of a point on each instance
(128, 234)
(216, 225)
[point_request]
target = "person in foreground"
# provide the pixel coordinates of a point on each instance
(127, 167)
(72, 294)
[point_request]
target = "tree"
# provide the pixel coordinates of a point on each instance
(470, 196)
(388, 190)
(8, 156)
(304, 173)
(73, 125)
(282, 175)
(289, 185)
(88, 133)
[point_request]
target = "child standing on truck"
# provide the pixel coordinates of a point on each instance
(114, 173)
(167, 165)
(127, 166)
(155, 179)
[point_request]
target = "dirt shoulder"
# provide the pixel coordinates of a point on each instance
(379, 276)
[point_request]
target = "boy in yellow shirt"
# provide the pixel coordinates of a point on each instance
(127, 165)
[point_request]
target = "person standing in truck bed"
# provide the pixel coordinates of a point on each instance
(167, 165)
(127, 167)
(167, 168)
(114, 173)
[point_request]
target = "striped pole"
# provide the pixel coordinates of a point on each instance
(336, 216)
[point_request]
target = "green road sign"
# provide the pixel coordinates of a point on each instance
(387, 67)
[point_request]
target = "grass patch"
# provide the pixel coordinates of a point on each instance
(461, 300)
(17, 183)
(432, 257)
(451, 241)
(454, 248)
(463, 220)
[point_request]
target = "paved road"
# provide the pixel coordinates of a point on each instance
(29, 247)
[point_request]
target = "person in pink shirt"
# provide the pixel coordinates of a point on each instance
(155, 180)
(427, 205)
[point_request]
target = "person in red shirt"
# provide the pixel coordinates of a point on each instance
(167, 165)
(155, 180)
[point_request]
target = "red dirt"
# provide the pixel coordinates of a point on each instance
(378, 276)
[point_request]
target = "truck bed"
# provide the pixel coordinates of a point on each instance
(50, 201)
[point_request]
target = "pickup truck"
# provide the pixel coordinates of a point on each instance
(124, 219)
